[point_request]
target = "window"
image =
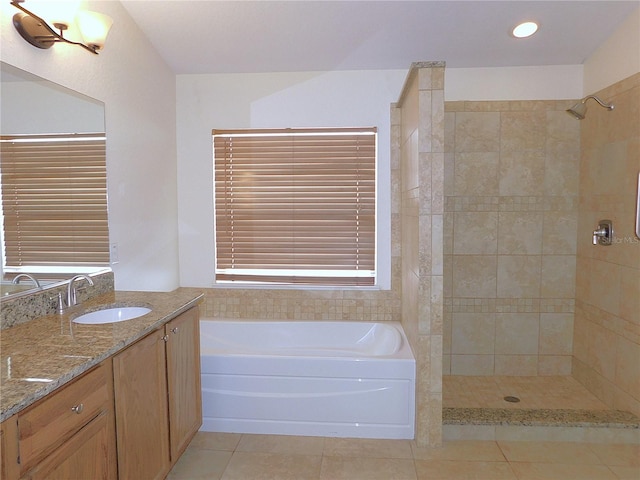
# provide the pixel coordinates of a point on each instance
(54, 201)
(295, 206)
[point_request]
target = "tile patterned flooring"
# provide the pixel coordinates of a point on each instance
(229, 456)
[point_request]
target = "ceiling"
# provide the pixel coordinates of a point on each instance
(243, 36)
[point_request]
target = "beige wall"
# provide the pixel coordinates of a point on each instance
(615, 59)
(607, 323)
(511, 185)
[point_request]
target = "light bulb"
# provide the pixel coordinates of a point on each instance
(525, 29)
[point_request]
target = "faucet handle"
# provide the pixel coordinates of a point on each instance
(62, 304)
(599, 233)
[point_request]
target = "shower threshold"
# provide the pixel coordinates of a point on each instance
(539, 417)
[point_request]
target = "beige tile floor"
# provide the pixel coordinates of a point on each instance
(534, 392)
(227, 456)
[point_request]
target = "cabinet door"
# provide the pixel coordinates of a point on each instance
(89, 454)
(183, 375)
(9, 467)
(142, 429)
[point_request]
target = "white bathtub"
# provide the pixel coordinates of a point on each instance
(335, 379)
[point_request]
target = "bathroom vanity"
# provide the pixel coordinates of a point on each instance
(116, 400)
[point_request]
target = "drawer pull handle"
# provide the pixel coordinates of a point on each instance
(174, 329)
(165, 338)
(77, 408)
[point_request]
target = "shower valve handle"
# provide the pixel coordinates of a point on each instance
(603, 235)
(599, 233)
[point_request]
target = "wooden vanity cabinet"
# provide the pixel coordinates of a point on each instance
(9, 466)
(158, 398)
(68, 434)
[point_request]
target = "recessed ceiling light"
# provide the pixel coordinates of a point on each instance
(525, 29)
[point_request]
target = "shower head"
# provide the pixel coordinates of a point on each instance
(579, 110)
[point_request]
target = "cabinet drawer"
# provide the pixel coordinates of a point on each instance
(48, 424)
(87, 455)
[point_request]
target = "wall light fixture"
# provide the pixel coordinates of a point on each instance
(93, 26)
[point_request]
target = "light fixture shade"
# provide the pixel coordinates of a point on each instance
(94, 28)
(59, 13)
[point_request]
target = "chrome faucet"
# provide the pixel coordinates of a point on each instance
(71, 291)
(16, 279)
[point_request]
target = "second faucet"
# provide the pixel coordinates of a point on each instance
(72, 294)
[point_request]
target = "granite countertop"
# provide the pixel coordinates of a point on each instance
(39, 356)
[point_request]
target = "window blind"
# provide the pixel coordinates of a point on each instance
(54, 200)
(295, 206)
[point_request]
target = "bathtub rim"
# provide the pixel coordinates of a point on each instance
(405, 352)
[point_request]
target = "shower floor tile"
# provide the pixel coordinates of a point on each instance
(553, 392)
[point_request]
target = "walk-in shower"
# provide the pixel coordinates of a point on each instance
(522, 316)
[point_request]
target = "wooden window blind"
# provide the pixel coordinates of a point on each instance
(54, 200)
(295, 206)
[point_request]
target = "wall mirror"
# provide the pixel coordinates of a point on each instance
(31, 106)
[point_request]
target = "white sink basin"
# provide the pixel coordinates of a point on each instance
(112, 315)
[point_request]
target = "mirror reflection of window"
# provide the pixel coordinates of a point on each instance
(54, 201)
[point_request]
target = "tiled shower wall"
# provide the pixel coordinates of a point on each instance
(418, 137)
(607, 325)
(510, 221)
